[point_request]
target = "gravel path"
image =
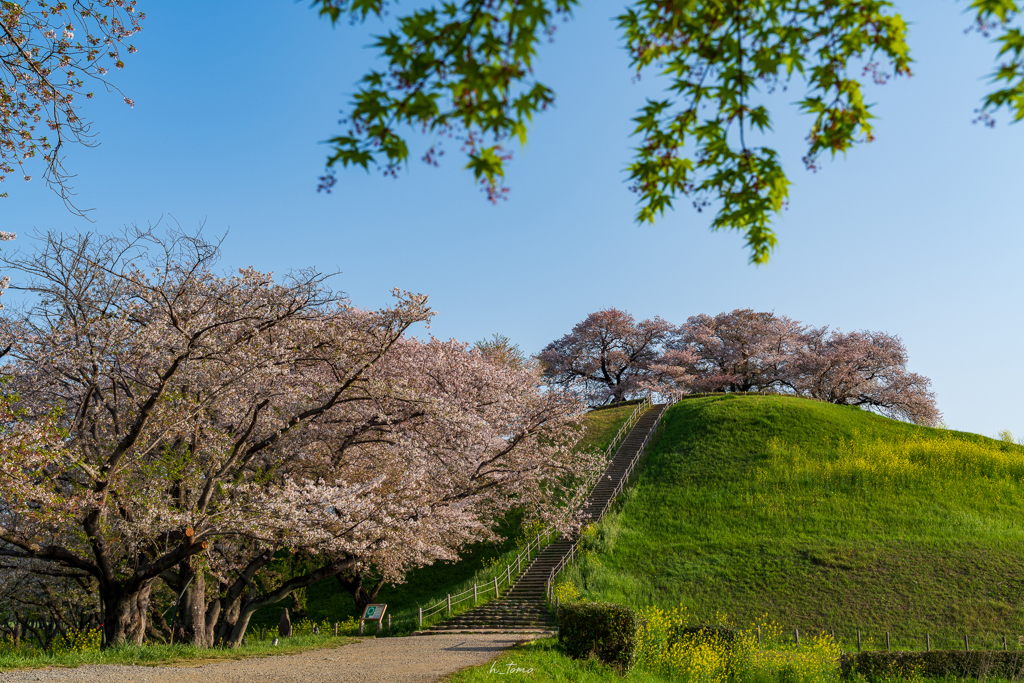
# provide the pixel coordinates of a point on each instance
(413, 659)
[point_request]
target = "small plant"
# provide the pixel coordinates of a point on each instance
(567, 592)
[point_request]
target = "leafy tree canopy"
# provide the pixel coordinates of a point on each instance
(465, 69)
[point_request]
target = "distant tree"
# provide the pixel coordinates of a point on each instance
(865, 369)
(501, 350)
(744, 350)
(49, 49)
(748, 350)
(607, 357)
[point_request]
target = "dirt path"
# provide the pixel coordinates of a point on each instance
(414, 659)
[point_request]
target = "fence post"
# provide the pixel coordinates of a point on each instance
(421, 617)
(335, 629)
(389, 624)
(449, 604)
(796, 635)
(474, 593)
(928, 641)
(360, 627)
(1004, 643)
(967, 644)
(858, 640)
(888, 645)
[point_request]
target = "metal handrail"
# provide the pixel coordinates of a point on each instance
(640, 409)
(504, 579)
(495, 585)
(571, 555)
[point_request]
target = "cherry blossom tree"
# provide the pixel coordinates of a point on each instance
(174, 389)
(41, 600)
(748, 350)
(49, 51)
(206, 422)
(865, 369)
(607, 356)
(468, 440)
(744, 350)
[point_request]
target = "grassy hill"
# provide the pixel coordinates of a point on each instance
(822, 518)
(428, 585)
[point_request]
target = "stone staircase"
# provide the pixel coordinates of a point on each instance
(525, 607)
(602, 493)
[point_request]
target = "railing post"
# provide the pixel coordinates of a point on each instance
(495, 586)
(421, 617)
(449, 604)
(474, 593)
(508, 575)
(519, 563)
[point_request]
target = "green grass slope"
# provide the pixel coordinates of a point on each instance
(822, 518)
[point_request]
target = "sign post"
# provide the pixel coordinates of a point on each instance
(372, 613)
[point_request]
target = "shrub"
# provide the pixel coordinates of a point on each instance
(934, 664)
(604, 630)
(714, 635)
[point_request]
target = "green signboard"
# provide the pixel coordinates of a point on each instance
(374, 612)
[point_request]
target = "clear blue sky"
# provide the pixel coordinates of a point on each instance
(918, 234)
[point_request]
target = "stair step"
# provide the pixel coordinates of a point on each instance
(524, 605)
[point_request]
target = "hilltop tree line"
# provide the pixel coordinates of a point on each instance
(609, 357)
(175, 437)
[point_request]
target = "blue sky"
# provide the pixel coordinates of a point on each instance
(918, 234)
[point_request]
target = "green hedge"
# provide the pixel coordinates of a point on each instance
(934, 664)
(604, 630)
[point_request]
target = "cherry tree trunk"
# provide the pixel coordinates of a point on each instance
(124, 614)
(232, 630)
(231, 616)
(354, 585)
(193, 622)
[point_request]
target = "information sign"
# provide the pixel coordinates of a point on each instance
(374, 612)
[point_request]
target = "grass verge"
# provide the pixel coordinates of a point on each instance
(162, 655)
